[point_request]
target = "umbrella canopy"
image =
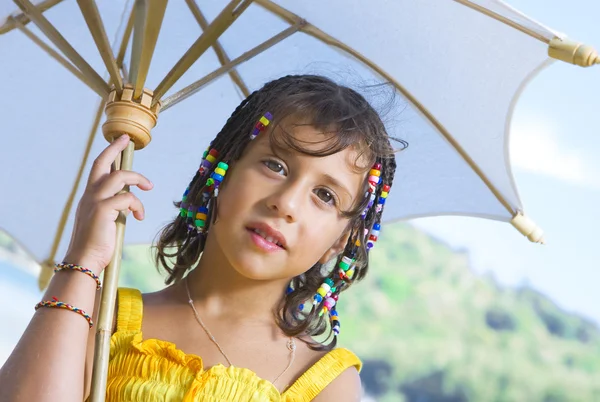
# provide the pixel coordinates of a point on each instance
(457, 69)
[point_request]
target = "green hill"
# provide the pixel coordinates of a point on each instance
(429, 330)
(437, 332)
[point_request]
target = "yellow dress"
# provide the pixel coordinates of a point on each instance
(152, 370)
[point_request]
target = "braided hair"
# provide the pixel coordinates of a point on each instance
(327, 106)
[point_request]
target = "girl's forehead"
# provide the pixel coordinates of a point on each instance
(307, 140)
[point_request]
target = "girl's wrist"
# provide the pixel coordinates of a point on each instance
(84, 261)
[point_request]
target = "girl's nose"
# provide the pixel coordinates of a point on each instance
(286, 201)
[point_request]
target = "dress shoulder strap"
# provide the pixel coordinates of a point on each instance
(129, 310)
(322, 373)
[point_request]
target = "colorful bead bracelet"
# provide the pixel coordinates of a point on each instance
(88, 272)
(55, 303)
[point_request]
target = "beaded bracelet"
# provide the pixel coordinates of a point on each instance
(58, 304)
(88, 272)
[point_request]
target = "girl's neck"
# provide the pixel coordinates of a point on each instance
(218, 289)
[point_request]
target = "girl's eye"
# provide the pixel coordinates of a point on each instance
(276, 167)
(326, 196)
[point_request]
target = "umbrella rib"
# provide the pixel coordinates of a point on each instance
(229, 14)
(54, 54)
(90, 12)
(327, 39)
(62, 44)
(23, 19)
(198, 85)
(125, 41)
(504, 20)
(218, 48)
(148, 17)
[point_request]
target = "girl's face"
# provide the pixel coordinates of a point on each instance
(280, 214)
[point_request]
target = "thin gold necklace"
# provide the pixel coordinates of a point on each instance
(291, 344)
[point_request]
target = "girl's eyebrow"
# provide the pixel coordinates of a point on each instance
(336, 183)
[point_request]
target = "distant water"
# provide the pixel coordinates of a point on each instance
(20, 293)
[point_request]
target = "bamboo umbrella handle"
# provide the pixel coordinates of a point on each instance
(134, 117)
(109, 295)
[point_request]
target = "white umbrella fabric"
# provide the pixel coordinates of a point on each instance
(460, 67)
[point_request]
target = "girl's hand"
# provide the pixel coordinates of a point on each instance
(94, 232)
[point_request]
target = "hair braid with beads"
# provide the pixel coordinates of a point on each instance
(324, 104)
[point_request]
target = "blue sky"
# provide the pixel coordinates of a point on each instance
(554, 146)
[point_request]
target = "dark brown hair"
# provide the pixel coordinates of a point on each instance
(347, 120)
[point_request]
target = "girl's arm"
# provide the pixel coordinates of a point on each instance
(49, 362)
(345, 388)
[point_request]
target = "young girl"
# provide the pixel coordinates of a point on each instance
(276, 223)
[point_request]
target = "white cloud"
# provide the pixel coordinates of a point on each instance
(535, 147)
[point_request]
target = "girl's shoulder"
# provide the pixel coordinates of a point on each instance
(326, 360)
(327, 375)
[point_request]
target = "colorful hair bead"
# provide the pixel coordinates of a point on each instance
(217, 177)
(262, 123)
(374, 178)
(382, 197)
(183, 207)
(346, 264)
(208, 158)
(327, 305)
(373, 235)
(323, 291)
(205, 166)
(212, 156)
(335, 322)
(200, 218)
(375, 231)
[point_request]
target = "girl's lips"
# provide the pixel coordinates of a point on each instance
(262, 243)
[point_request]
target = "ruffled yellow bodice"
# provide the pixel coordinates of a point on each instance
(152, 370)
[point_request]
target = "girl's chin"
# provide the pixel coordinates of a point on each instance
(260, 271)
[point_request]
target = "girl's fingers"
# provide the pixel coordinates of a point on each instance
(119, 179)
(101, 165)
(125, 202)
